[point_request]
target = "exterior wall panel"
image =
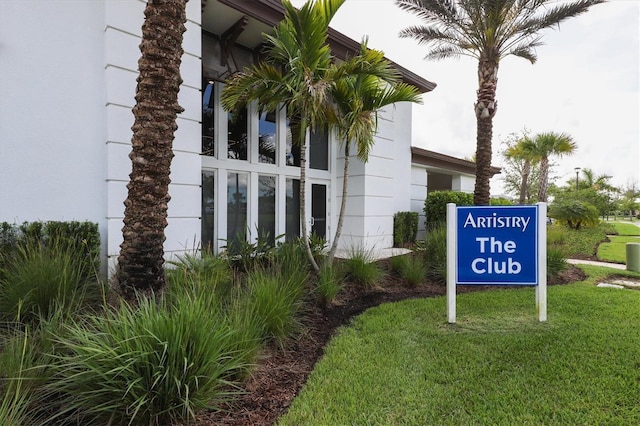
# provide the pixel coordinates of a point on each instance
(126, 15)
(120, 133)
(121, 48)
(51, 108)
(188, 136)
(121, 86)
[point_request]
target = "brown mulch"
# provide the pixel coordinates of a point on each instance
(281, 373)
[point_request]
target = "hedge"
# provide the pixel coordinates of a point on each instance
(405, 228)
(81, 237)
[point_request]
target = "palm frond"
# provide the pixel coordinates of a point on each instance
(445, 52)
(432, 11)
(526, 52)
(490, 29)
(558, 14)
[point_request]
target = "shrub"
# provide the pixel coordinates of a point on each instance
(81, 238)
(9, 237)
(361, 269)
(574, 213)
(246, 256)
(39, 279)
(434, 251)
(157, 363)
(405, 228)
(435, 206)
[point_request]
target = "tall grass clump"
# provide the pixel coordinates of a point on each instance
(290, 260)
(154, 364)
(39, 279)
(361, 269)
(276, 299)
(202, 275)
(410, 267)
(434, 251)
(556, 261)
(247, 335)
(17, 377)
(25, 367)
(329, 283)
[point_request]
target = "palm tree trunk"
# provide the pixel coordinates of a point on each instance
(343, 205)
(544, 180)
(303, 196)
(524, 183)
(485, 109)
(141, 259)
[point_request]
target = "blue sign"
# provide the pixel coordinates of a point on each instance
(497, 245)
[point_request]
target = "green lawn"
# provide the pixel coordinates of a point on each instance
(615, 250)
(626, 228)
(402, 364)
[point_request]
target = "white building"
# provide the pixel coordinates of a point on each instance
(67, 82)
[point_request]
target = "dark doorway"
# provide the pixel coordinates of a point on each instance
(319, 210)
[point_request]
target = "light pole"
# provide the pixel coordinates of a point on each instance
(577, 169)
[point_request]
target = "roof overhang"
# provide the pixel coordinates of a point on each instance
(219, 15)
(445, 162)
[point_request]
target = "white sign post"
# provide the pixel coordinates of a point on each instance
(505, 245)
(452, 254)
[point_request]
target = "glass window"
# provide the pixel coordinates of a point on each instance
(236, 209)
(319, 149)
(267, 138)
(293, 151)
(208, 210)
(237, 137)
(208, 125)
(292, 226)
(267, 208)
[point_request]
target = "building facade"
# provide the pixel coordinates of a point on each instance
(68, 74)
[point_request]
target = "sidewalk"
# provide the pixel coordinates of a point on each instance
(595, 263)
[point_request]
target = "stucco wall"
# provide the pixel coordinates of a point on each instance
(68, 77)
(52, 97)
(381, 187)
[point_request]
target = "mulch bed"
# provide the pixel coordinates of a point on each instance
(282, 372)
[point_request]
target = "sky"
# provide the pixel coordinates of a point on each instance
(585, 83)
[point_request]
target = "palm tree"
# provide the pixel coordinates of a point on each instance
(523, 151)
(296, 74)
(544, 146)
(141, 259)
(299, 72)
(487, 30)
(358, 99)
(596, 182)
